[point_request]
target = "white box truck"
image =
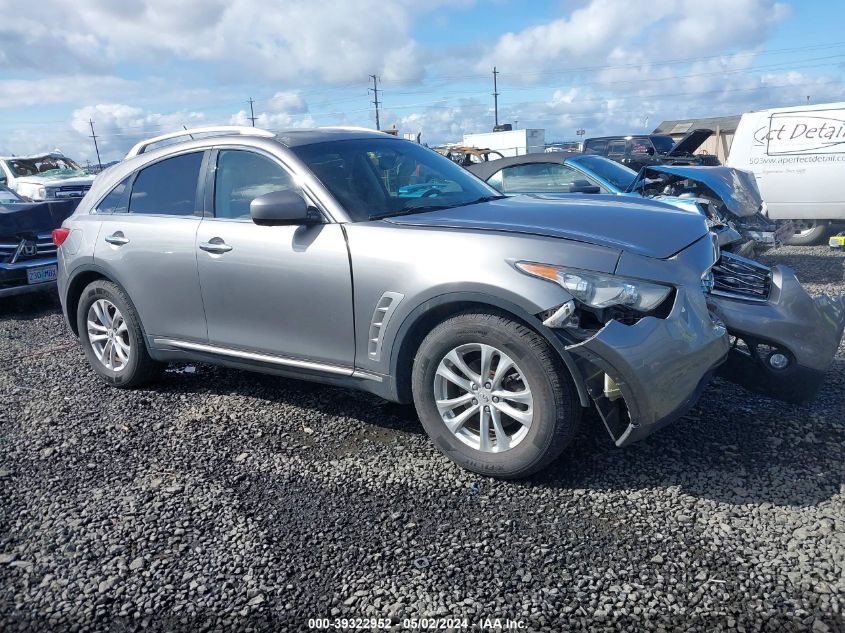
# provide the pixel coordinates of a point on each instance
(509, 142)
(798, 157)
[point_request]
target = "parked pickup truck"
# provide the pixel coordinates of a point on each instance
(51, 176)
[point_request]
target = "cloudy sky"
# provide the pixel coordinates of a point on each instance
(138, 68)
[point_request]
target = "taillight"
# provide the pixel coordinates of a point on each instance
(60, 235)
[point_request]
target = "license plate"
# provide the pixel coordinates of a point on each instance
(40, 275)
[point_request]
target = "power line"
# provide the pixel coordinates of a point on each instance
(375, 100)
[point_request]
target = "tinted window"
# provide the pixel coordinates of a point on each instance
(595, 146)
(616, 147)
(168, 187)
(115, 201)
(641, 146)
(538, 178)
(243, 176)
(378, 177)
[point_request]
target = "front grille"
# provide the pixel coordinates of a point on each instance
(20, 248)
(740, 278)
(71, 191)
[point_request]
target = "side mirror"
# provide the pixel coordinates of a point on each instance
(282, 208)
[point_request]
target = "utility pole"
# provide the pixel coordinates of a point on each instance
(375, 100)
(251, 113)
(495, 98)
(96, 149)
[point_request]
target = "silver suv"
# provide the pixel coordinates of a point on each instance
(354, 258)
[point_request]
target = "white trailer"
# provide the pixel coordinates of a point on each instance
(511, 142)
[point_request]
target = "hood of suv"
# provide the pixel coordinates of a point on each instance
(690, 142)
(643, 227)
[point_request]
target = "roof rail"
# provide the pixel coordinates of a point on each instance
(141, 147)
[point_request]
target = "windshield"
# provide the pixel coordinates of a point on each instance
(45, 166)
(619, 176)
(381, 177)
(662, 144)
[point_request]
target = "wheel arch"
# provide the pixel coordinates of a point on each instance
(76, 283)
(425, 317)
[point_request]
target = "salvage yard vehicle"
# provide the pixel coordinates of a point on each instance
(467, 155)
(644, 150)
(797, 155)
(728, 198)
(501, 318)
(44, 176)
(27, 253)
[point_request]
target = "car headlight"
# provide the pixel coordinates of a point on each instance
(598, 290)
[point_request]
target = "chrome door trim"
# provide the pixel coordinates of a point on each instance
(263, 358)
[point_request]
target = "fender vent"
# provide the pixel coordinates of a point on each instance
(381, 315)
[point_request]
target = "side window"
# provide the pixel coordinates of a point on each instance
(168, 187)
(595, 147)
(115, 201)
(642, 146)
(495, 181)
(616, 147)
(538, 178)
(241, 177)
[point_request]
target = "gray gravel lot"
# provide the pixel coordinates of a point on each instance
(224, 500)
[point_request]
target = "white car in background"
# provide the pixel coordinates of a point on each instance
(39, 177)
(798, 156)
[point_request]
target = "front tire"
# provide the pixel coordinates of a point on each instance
(494, 396)
(111, 337)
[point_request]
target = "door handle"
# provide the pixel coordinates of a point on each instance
(117, 238)
(215, 245)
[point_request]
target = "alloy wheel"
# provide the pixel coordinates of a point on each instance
(483, 397)
(108, 334)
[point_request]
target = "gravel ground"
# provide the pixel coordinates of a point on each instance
(224, 500)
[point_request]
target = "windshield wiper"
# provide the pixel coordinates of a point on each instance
(433, 207)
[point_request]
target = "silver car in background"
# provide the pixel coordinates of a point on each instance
(354, 258)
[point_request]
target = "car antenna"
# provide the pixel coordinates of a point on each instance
(185, 127)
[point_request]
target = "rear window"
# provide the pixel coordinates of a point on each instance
(595, 146)
(168, 187)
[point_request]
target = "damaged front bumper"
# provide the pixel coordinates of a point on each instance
(784, 341)
(646, 375)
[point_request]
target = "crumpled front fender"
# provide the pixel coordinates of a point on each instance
(806, 329)
(660, 366)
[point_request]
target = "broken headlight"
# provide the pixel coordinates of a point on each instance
(598, 290)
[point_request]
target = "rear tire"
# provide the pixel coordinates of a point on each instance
(112, 338)
(808, 232)
(532, 411)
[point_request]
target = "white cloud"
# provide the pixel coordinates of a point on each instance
(331, 41)
(617, 31)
